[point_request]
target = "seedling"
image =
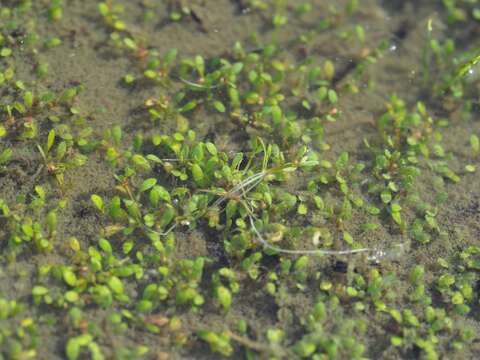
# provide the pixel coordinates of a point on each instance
(57, 164)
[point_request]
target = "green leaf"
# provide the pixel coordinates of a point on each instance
(396, 207)
(116, 285)
(52, 221)
(130, 43)
(105, 245)
(211, 148)
(167, 216)
(445, 281)
(332, 96)
(61, 150)
(5, 52)
(386, 196)
(69, 94)
(342, 160)
(218, 342)
(6, 155)
(463, 69)
(397, 217)
(474, 143)
(159, 193)
(188, 106)
(39, 290)
(144, 306)
(200, 65)
(50, 139)
(329, 70)
(103, 9)
(141, 162)
(236, 68)
(304, 348)
(276, 114)
(148, 184)
(224, 297)
(197, 153)
(98, 202)
(170, 56)
(71, 296)
(69, 277)
(75, 344)
(28, 99)
(417, 274)
(95, 351)
(198, 174)
(72, 349)
(133, 209)
(470, 168)
(150, 74)
(218, 105)
(302, 209)
(117, 135)
(115, 209)
(347, 237)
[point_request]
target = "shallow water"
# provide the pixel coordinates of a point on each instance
(79, 282)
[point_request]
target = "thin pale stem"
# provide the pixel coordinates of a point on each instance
(165, 233)
(266, 244)
(198, 86)
(250, 182)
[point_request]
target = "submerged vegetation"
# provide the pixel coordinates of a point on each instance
(168, 191)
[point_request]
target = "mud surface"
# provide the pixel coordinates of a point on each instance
(211, 29)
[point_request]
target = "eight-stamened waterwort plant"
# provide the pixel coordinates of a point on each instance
(173, 212)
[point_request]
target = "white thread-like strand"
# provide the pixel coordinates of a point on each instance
(304, 252)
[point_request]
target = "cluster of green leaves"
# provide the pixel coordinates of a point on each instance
(332, 341)
(259, 89)
(28, 118)
(447, 71)
(207, 179)
(252, 87)
(423, 327)
(151, 65)
(280, 12)
(457, 282)
(86, 336)
(19, 37)
(409, 142)
(261, 204)
(111, 13)
(24, 223)
(12, 21)
(179, 10)
(461, 11)
(26, 114)
(19, 337)
(136, 247)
